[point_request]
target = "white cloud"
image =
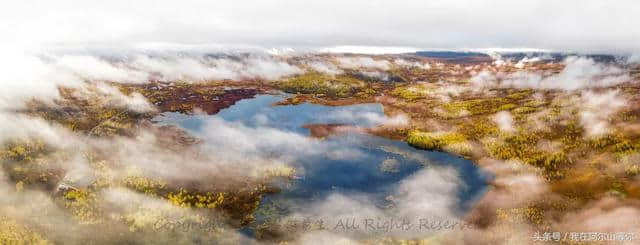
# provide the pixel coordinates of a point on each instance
(269, 69)
(411, 64)
(428, 194)
(363, 62)
(235, 142)
(178, 67)
(28, 76)
(504, 121)
(515, 185)
(368, 118)
(18, 126)
(521, 63)
(92, 68)
(272, 23)
(377, 75)
(135, 101)
(578, 73)
(605, 215)
(483, 79)
(25, 76)
(596, 108)
(325, 67)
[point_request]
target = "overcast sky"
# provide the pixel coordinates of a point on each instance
(567, 25)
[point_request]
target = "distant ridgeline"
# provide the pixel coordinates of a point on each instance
(456, 57)
(450, 54)
(463, 57)
(606, 58)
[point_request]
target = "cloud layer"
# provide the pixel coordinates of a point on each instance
(594, 26)
(578, 73)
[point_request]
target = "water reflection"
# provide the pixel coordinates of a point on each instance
(352, 163)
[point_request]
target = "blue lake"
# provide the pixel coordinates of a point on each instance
(375, 173)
